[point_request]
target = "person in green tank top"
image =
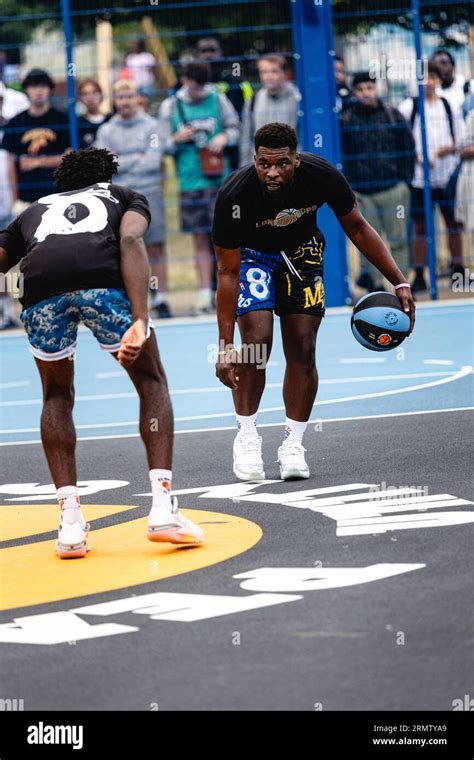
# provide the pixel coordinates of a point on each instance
(196, 124)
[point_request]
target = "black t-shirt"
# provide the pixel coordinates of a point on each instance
(247, 216)
(87, 130)
(46, 135)
(71, 241)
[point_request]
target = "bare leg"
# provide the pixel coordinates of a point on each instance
(158, 265)
(58, 434)
(256, 330)
(156, 413)
(204, 263)
(419, 243)
(300, 385)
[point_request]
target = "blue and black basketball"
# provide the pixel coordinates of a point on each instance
(378, 322)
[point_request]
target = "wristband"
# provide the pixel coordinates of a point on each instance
(403, 285)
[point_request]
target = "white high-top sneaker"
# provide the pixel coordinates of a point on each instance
(172, 526)
(292, 462)
(248, 462)
(72, 536)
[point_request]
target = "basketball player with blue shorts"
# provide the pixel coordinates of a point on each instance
(270, 255)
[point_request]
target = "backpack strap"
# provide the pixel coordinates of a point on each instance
(447, 108)
(449, 114)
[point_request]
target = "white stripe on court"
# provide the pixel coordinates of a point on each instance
(15, 384)
(223, 389)
(463, 372)
(441, 362)
(320, 421)
(360, 360)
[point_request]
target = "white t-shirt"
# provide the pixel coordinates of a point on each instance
(13, 103)
(141, 65)
(438, 135)
(454, 94)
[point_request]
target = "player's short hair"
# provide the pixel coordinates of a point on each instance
(125, 85)
(84, 167)
(276, 135)
(276, 58)
(362, 76)
(197, 71)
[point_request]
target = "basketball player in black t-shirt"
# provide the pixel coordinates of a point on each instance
(83, 259)
(270, 259)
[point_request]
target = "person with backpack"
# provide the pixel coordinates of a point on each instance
(443, 132)
(197, 123)
(379, 158)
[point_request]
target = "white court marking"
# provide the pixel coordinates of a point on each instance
(318, 421)
(212, 389)
(441, 362)
(16, 384)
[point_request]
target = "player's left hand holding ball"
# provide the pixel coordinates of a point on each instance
(132, 343)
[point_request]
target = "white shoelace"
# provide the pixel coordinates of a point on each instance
(292, 449)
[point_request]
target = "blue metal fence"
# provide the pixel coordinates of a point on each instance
(308, 34)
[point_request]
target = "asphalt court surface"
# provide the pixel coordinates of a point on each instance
(348, 591)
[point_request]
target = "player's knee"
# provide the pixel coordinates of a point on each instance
(302, 353)
(60, 392)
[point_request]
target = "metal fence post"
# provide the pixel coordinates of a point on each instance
(429, 224)
(319, 130)
(70, 76)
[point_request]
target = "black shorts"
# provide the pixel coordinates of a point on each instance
(444, 197)
(269, 281)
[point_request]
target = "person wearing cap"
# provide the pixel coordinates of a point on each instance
(36, 140)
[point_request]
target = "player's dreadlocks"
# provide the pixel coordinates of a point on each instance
(85, 167)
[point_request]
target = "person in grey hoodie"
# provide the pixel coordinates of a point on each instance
(134, 136)
(199, 117)
(277, 101)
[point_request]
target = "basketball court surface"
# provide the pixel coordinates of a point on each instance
(348, 591)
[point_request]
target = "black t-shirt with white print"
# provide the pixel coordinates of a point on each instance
(71, 240)
(247, 216)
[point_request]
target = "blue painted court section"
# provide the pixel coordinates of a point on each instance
(432, 372)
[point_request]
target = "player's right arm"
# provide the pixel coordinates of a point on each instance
(135, 271)
(228, 270)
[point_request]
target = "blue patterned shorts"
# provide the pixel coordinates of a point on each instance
(51, 325)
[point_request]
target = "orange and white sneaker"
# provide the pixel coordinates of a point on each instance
(73, 537)
(72, 540)
(172, 527)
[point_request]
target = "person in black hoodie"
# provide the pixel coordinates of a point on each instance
(379, 159)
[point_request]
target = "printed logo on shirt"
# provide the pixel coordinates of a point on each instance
(38, 138)
(208, 125)
(75, 213)
(286, 217)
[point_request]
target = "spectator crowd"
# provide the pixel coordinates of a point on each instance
(206, 124)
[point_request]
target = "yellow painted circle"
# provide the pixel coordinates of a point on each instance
(121, 555)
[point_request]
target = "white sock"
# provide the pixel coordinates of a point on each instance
(294, 431)
(161, 488)
(68, 498)
(247, 425)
